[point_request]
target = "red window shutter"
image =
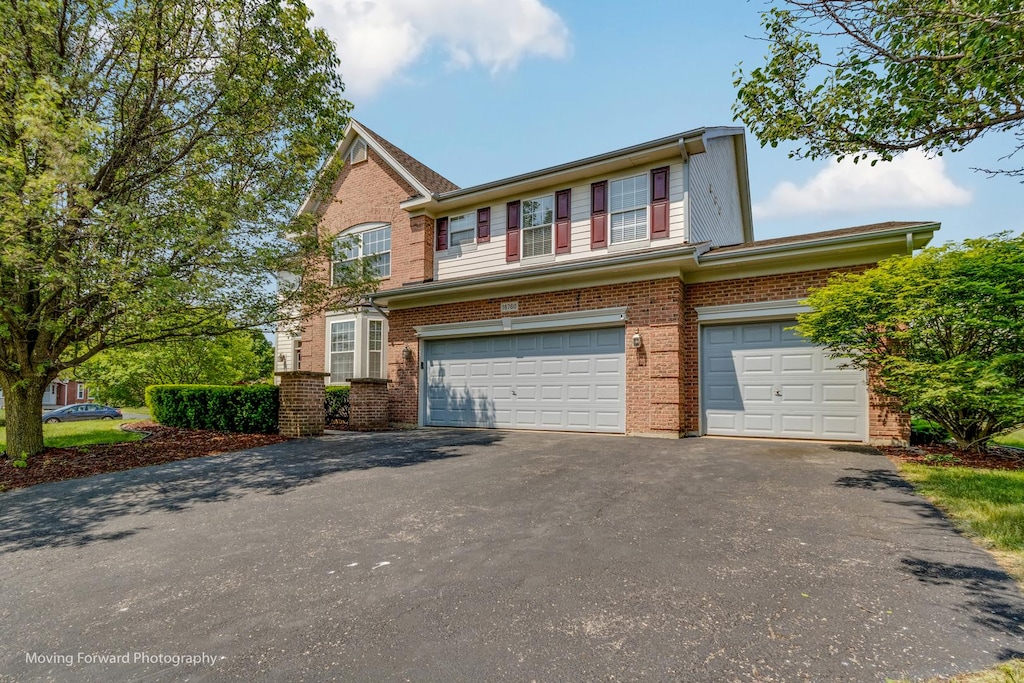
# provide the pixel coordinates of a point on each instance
(659, 203)
(512, 231)
(563, 221)
(599, 215)
(483, 225)
(442, 233)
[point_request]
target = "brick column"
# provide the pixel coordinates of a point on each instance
(368, 404)
(301, 409)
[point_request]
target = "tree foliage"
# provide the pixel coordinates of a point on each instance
(943, 331)
(120, 377)
(851, 77)
(152, 157)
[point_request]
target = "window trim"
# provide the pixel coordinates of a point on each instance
(331, 352)
(359, 231)
(522, 229)
(646, 207)
(470, 216)
(80, 392)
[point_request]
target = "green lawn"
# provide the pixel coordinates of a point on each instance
(1012, 439)
(986, 504)
(85, 433)
(1007, 672)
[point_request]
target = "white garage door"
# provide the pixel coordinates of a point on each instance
(563, 381)
(758, 379)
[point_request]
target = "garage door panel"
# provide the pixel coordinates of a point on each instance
(573, 381)
(759, 379)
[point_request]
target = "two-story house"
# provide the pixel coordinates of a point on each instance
(620, 293)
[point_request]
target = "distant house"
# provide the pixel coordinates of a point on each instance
(624, 292)
(61, 392)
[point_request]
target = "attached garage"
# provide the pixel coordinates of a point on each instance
(567, 380)
(759, 379)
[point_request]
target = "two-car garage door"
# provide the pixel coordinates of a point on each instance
(560, 380)
(760, 379)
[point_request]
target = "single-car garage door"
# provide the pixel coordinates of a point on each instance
(562, 381)
(759, 379)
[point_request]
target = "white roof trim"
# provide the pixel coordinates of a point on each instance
(758, 310)
(574, 320)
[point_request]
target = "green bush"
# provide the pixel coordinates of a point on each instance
(923, 432)
(249, 409)
(336, 404)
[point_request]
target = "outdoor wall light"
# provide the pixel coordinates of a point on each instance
(638, 341)
(407, 354)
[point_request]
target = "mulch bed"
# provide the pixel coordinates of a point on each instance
(943, 455)
(164, 444)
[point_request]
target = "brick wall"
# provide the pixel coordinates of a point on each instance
(368, 192)
(368, 405)
(652, 372)
(301, 408)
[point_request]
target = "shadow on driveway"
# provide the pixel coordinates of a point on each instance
(69, 513)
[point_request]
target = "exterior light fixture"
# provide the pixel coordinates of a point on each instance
(637, 340)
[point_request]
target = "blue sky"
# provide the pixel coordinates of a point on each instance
(484, 89)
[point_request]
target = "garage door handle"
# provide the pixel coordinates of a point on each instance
(778, 393)
(514, 392)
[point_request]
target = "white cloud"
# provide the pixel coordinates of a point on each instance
(911, 180)
(377, 39)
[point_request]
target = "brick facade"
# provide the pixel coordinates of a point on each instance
(368, 405)
(301, 403)
(370, 192)
(662, 382)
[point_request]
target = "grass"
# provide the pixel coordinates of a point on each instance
(987, 505)
(1007, 672)
(85, 433)
(1012, 439)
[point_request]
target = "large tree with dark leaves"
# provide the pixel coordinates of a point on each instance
(852, 77)
(152, 157)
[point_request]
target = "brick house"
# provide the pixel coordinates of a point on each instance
(620, 293)
(61, 392)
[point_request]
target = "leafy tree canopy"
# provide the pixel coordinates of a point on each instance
(120, 377)
(942, 330)
(851, 77)
(153, 154)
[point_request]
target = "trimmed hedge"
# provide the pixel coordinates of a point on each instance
(336, 404)
(250, 409)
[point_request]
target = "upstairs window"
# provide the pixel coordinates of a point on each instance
(357, 152)
(372, 244)
(628, 208)
(537, 218)
(461, 230)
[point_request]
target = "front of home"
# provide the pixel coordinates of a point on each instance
(61, 392)
(622, 293)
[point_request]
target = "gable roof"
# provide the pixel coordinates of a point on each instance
(428, 177)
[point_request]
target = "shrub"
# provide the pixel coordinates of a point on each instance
(923, 432)
(336, 404)
(250, 409)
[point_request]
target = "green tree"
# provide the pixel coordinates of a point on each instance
(851, 77)
(120, 376)
(943, 331)
(152, 157)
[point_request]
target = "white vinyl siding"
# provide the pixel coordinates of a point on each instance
(488, 258)
(343, 351)
(628, 205)
(375, 348)
(716, 213)
(461, 229)
(538, 218)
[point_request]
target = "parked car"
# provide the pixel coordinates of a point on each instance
(82, 411)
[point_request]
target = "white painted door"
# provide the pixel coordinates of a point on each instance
(559, 381)
(759, 379)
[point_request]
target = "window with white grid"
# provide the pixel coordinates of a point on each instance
(461, 229)
(371, 244)
(538, 216)
(343, 351)
(627, 203)
(375, 348)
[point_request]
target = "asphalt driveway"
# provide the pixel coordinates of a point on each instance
(441, 555)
